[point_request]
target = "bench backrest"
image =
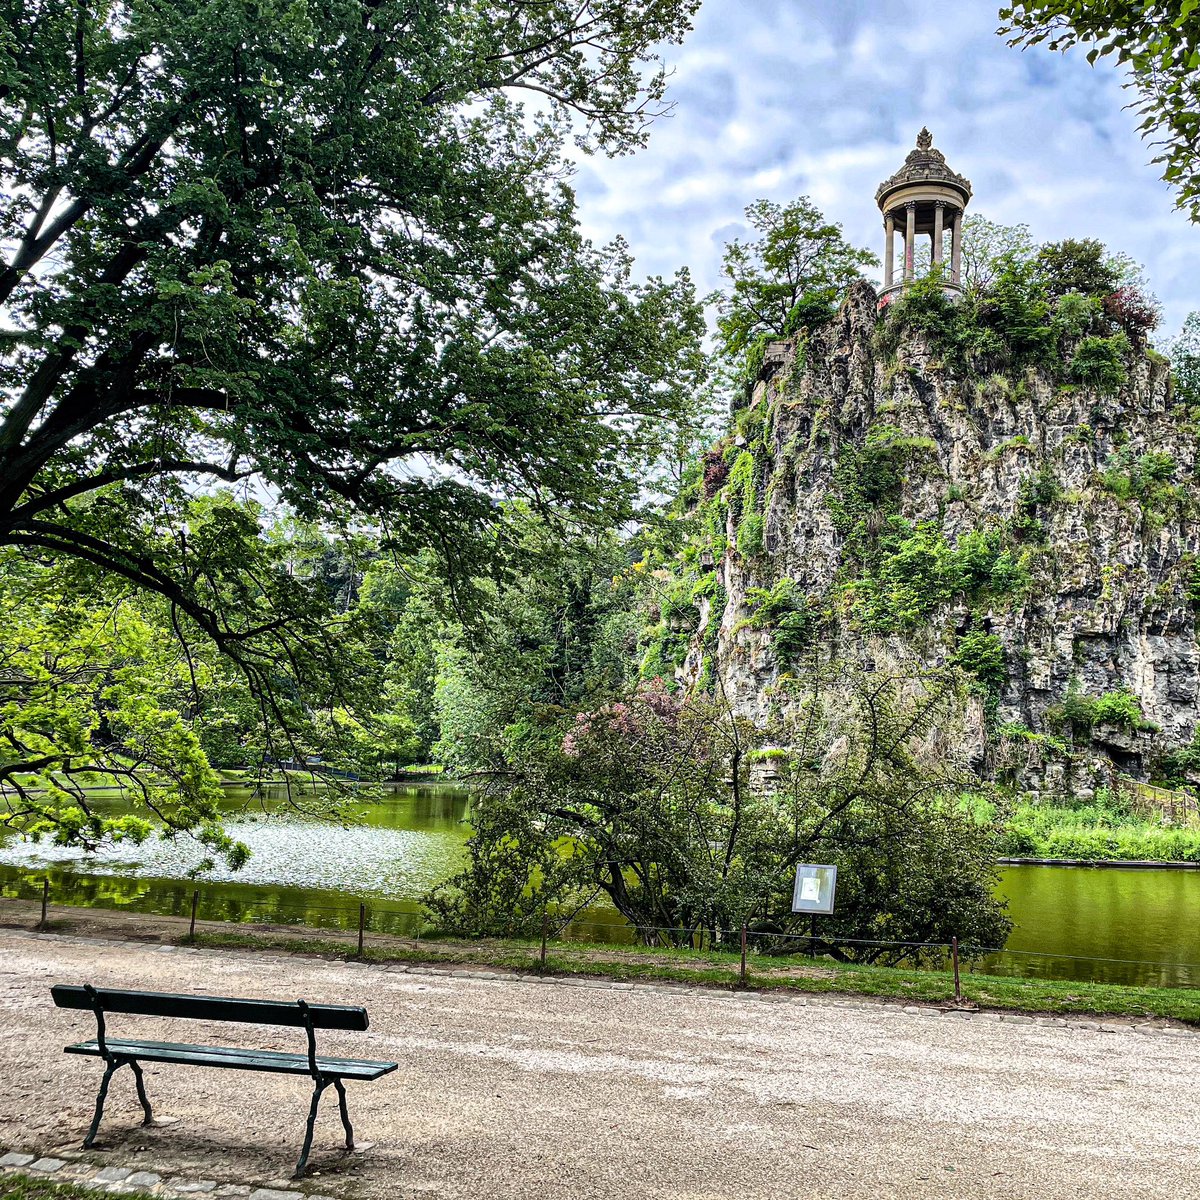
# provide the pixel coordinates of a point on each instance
(210, 1008)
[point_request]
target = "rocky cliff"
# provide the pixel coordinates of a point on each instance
(1032, 527)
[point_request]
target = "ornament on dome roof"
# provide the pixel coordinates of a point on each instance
(924, 138)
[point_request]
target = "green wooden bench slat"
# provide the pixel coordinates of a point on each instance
(278, 1061)
(212, 1008)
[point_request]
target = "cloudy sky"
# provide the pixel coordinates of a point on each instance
(779, 98)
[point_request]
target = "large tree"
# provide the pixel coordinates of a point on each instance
(328, 250)
(1159, 41)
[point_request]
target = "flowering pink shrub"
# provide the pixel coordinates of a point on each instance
(651, 713)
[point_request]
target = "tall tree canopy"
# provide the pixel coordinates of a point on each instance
(1159, 40)
(327, 248)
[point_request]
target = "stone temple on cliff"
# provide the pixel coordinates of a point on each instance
(924, 197)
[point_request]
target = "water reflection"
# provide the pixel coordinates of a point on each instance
(1083, 923)
(1106, 924)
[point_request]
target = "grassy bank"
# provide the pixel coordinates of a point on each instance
(31, 1187)
(718, 969)
(1102, 829)
(795, 973)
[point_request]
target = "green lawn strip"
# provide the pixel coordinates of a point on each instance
(792, 973)
(32, 1187)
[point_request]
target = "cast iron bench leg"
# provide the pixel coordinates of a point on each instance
(108, 1074)
(322, 1084)
(341, 1090)
(141, 1090)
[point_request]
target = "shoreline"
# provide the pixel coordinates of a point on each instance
(1129, 864)
(715, 971)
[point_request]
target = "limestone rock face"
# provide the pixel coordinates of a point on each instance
(1108, 600)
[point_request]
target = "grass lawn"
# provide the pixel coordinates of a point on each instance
(34, 1187)
(795, 973)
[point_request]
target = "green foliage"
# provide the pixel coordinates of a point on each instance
(1080, 265)
(1181, 766)
(923, 307)
(648, 799)
(1079, 714)
(1040, 490)
(91, 696)
(1184, 353)
(1103, 828)
(788, 612)
(788, 278)
(811, 311)
(868, 478)
(562, 633)
(1020, 307)
(987, 246)
(981, 655)
(1160, 44)
(1146, 478)
(1076, 314)
(1099, 362)
(325, 253)
(912, 571)
(1003, 325)
(751, 536)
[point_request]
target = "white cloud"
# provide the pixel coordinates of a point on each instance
(779, 98)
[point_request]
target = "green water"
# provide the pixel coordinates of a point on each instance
(1108, 925)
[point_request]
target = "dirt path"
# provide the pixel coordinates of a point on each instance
(525, 1089)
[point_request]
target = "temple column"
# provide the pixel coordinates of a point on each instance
(910, 238)
(956, 248)
(939, 208)
(889, 260)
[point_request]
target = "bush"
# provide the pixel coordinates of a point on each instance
(1133, 310)
(1147, 478)
(1016, 308)
(1075, 314)
(981, 655)
(788, 612)
(811, 311)
(1080, 265)
(751, 536)
(1080, 713)
(1100, 362)
(1184, 352)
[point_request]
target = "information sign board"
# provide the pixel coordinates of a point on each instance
(815, 888)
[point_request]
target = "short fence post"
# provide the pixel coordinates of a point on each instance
(362, 924)
(45, 905)
(743, 974)
(545, 932)
(954, 955)
(192, 924)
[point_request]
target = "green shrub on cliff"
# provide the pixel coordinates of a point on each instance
(981, 655)
(1099, 362)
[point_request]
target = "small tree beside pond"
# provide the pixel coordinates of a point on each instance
(691, 820)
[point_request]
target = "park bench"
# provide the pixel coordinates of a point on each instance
(117, 1053)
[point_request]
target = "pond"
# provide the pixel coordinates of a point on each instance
(1109, 925)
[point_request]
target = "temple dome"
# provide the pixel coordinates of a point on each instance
(923, 165)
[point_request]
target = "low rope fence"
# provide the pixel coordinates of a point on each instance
(358, 918)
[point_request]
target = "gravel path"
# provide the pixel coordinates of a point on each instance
(527, 1089)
